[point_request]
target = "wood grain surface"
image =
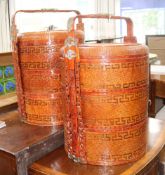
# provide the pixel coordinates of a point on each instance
(8, 99)
(159, 84)
(22, 144)
(111, 92)
(57, 162)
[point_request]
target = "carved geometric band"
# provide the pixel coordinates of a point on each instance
(35, 65)
(38, 49)
(50, 118)
(116, 98)
(107, 86)
(43, 102)
(125, 156)
(116, 136)
(115, 121)
(109, 66)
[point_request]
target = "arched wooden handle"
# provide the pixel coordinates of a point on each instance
(14, 34)
(129, 38)
(80, 25)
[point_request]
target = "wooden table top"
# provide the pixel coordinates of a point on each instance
(8, 99)
(159, 81)
(18, 136)
(158, 77)
(57, 163)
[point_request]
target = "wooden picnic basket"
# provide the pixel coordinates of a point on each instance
(107, 98)
(38, 72)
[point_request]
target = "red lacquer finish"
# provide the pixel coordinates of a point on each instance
(107, 95)
(38, 73)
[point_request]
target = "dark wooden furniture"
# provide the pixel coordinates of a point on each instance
(159, 84)
(157, 102)
(22, 144)
(156, 44)
(157, 87)
(57, 162)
